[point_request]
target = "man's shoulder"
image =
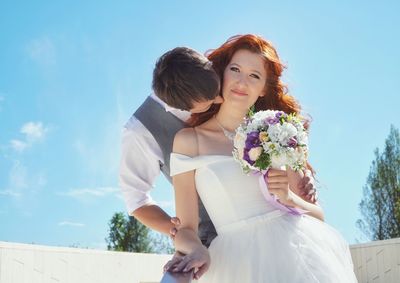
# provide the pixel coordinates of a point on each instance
(133, 124)
(134, 130)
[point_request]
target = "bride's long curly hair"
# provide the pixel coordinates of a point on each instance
(276, 93)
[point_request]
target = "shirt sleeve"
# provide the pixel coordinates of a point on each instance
(139, 166)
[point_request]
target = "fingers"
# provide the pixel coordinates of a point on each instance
(172, 232)
(277, 186)
(178, 254)
(182, 264)
(314, 198)
(170, 264)
(304, 181)
(306, 185)
(193, 264)
(201, 271)
(307, 189)
(310, 194)
(308, 173)
(277, 179)
(175, 260)
(276, 172)
(176, 221)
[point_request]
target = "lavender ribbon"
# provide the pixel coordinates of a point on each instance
(272, 199)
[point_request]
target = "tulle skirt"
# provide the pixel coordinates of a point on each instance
(277, 247)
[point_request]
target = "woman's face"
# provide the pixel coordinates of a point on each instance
(244, 78)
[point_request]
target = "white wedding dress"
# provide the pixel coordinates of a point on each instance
(255, 242)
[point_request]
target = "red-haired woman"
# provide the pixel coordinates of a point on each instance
(255, 242)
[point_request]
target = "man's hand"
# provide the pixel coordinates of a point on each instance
(197, 261)
(177, 258)
(307, 188)
(302, 183)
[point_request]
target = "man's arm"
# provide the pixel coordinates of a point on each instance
(139, 167)
(154, 217)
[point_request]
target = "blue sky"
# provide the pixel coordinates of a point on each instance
(72, 73)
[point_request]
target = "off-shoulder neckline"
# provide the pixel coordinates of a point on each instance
(205, 155)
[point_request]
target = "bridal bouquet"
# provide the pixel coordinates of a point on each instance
(271, 139)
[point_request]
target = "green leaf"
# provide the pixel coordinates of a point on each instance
(263, 162)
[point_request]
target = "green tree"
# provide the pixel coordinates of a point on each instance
(380, 206)
(162, 244)
(128, 234)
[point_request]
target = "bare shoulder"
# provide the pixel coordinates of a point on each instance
(185, 142)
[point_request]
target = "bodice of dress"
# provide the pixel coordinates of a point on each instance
(228, 194)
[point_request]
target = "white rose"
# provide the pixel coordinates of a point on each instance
(287, 132)
(239, 140)
(255, 153)
(274, 132)
(278, 161)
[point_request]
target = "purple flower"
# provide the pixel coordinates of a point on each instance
(292, 142)
(279, 114)
(252, 140)
(247, 157)
(272, 121)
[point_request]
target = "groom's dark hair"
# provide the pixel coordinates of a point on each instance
(182, 76)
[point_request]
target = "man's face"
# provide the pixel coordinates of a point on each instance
(203, 106)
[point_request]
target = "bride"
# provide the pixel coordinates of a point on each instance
(255, 242)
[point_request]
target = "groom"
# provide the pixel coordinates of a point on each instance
(183, 83)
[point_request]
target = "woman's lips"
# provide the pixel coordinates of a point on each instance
(238, 92)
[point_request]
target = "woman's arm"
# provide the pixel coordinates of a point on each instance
(187, 208)
(279, 184)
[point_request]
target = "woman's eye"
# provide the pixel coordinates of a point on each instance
(255, 76)
(235, 69)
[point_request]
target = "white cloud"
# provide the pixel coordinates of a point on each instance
(42, 50)
(18, 146)
(33, 131)
(85, 192)
(9, 193)
(68, 223)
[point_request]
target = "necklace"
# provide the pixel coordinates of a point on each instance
(230, 135)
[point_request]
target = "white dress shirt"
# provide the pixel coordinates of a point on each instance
(140, 156)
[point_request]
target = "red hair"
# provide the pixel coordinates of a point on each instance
(276, 96)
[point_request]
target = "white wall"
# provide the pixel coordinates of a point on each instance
(21, 263)
(377, 261)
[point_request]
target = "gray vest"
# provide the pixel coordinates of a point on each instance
(163, 126)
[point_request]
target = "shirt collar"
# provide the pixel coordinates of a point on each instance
(181, 114)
